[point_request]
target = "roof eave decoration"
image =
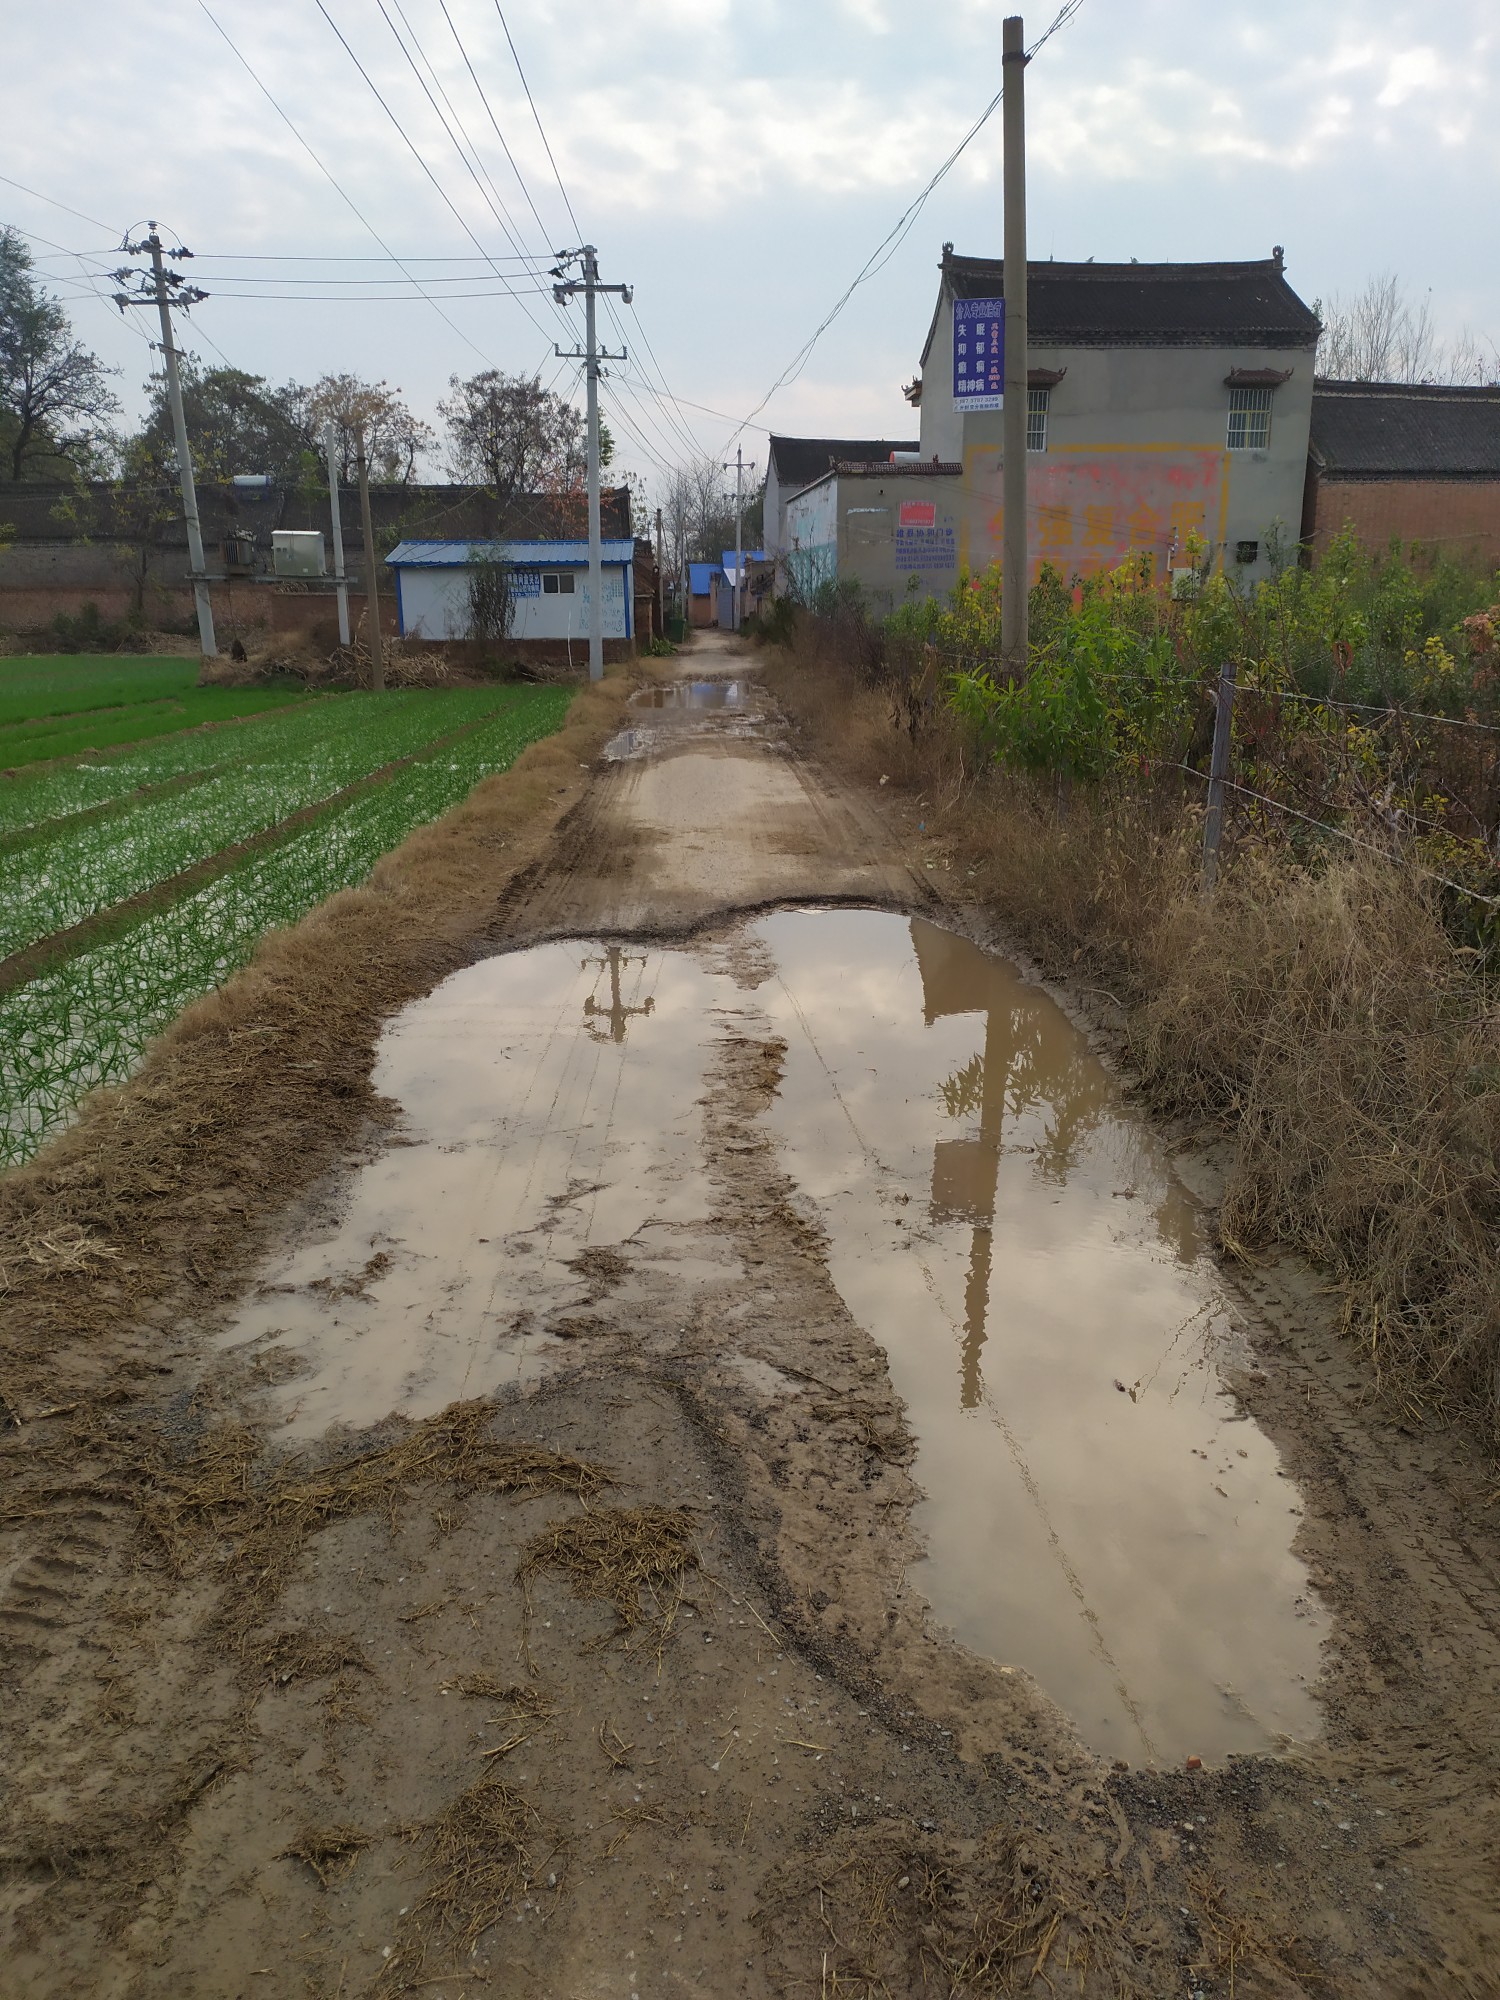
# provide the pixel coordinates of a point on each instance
(1258, 378)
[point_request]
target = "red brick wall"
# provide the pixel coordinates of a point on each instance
(1459, 516)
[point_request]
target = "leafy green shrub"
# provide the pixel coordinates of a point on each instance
(91, 632)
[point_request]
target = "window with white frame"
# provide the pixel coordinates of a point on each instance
(1249, 419)
(557, 583)
(1037, 402)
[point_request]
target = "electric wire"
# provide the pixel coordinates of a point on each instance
(694, 446)
(52, 202)
(405, 137)
(347, 198)
(541, 129)
(883, 252)
(489, 113)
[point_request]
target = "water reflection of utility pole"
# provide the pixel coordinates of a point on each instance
(1032, 1059)
(616, 1013)
(965, 1173)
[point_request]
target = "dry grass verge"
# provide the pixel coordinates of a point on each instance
(1322, 1015)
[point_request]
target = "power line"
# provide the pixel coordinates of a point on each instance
(484, 100)
(489, 195)
(276, 278)
(347, 198)
(37, 194)
(881, 255)
(377, 298)
(546, 142)
(693, 445)
(405, 137)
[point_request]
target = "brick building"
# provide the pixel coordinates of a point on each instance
(1414, 461)
(123, 547)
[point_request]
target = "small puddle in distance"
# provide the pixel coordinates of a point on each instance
(1098, 1510)
(691, 694)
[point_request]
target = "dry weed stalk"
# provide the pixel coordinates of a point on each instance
(479, 1854)
(329, 1851)
(616, 1554)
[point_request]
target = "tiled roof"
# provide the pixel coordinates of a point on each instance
(102, 511)
(1394, 430)
(523, 555)
(799, 460)
(1145, 305)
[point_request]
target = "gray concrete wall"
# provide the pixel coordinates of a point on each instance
(896, 535)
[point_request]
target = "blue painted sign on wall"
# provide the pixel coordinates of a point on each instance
(978, 354)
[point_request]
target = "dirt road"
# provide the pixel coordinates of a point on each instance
(739, 1474)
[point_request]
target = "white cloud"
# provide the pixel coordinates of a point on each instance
(738, 164)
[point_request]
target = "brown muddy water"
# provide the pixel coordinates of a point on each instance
(1099, 1513)
(691, 694)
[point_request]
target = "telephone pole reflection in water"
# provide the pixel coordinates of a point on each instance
(617, 1013)
(1026, 1065)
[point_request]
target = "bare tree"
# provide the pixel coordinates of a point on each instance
(698, 513)
(394, 438)
(1382, 334)
(508, 433)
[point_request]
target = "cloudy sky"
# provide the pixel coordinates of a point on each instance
(736, 164)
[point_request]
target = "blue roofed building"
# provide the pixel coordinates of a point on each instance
(703, 592)
(549, 581)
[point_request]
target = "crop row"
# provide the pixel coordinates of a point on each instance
(70, 685)
(73, 872)
(87, 1021)
(35, 798)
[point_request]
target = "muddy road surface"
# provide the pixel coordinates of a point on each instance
(746, 1477)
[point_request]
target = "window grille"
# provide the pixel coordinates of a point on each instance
(1037, 401)
(1249, 419)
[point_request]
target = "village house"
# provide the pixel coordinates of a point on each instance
(1412, 461)
(1168, 408)
(794, 462)
(549, 582)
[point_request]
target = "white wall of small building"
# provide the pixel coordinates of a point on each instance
(435, 603)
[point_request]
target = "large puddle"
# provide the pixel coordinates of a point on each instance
(1099, 1512)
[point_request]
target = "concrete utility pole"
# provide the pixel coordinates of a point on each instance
(1218, 773)
(1014, 608)
(330, 441)
(739, 528)
(661, 595)
(372, 594)
(590, 286)
(169, 289)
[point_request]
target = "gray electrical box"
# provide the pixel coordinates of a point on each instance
(297, 552)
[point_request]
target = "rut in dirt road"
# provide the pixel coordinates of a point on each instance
(746, 1479)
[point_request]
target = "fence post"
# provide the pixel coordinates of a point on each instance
(1218, 771)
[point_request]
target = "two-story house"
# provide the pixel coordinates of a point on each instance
(1167, 405)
